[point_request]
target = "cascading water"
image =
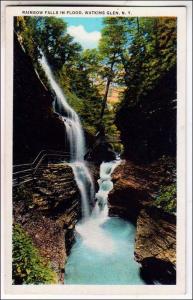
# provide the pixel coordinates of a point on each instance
(75, 137)
(104, 247)
(90, 231)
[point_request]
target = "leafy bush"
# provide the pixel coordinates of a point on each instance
(167, 198)
(28, 266)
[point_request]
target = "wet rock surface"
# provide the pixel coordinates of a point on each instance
(48, 209)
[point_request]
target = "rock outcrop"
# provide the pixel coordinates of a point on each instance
(94, 170)
(129, 194)
(100, 151)
(132, 198)
(48, 209)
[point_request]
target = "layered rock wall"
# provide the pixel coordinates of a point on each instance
(48, 209)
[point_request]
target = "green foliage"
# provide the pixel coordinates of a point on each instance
(151, 53)
(50, 35)
(26, 28)
(57, 45)
(28, 266)
(133, 52)
(166, 198)
(82, 96)
(114, 40)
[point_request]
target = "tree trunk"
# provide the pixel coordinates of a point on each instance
(109, 80)
(105, 98)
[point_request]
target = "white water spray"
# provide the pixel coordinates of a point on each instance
(76, 140)
(92, 231)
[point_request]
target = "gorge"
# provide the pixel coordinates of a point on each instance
(101, 218)
(95, 230)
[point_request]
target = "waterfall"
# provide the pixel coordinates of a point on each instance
(75, 138)
(104, 246)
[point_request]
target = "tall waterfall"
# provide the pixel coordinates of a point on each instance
(76, 140)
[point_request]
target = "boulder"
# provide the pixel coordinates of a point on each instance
(101, 152)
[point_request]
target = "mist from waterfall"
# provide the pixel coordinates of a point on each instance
(75, 138)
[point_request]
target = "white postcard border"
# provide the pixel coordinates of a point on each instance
(125, 291)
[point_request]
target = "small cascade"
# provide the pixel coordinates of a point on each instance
(105, 186)
(90, 230)
(76, 140)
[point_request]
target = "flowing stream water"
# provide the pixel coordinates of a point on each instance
(103, 252)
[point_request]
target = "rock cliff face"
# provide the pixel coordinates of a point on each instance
(35, 125)
(133, 198)
(48, 210)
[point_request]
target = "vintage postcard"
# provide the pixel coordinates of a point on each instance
(94, 150)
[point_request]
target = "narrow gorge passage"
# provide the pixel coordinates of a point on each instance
(103, 252)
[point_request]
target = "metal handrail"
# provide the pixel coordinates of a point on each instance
(29, 164)
(39, 154)
(30, 169)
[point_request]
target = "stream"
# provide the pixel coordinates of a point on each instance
(103, 252)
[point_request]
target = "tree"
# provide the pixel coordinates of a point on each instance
(147, 114)
(151, 52)
(112, 43)
(48, 34)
